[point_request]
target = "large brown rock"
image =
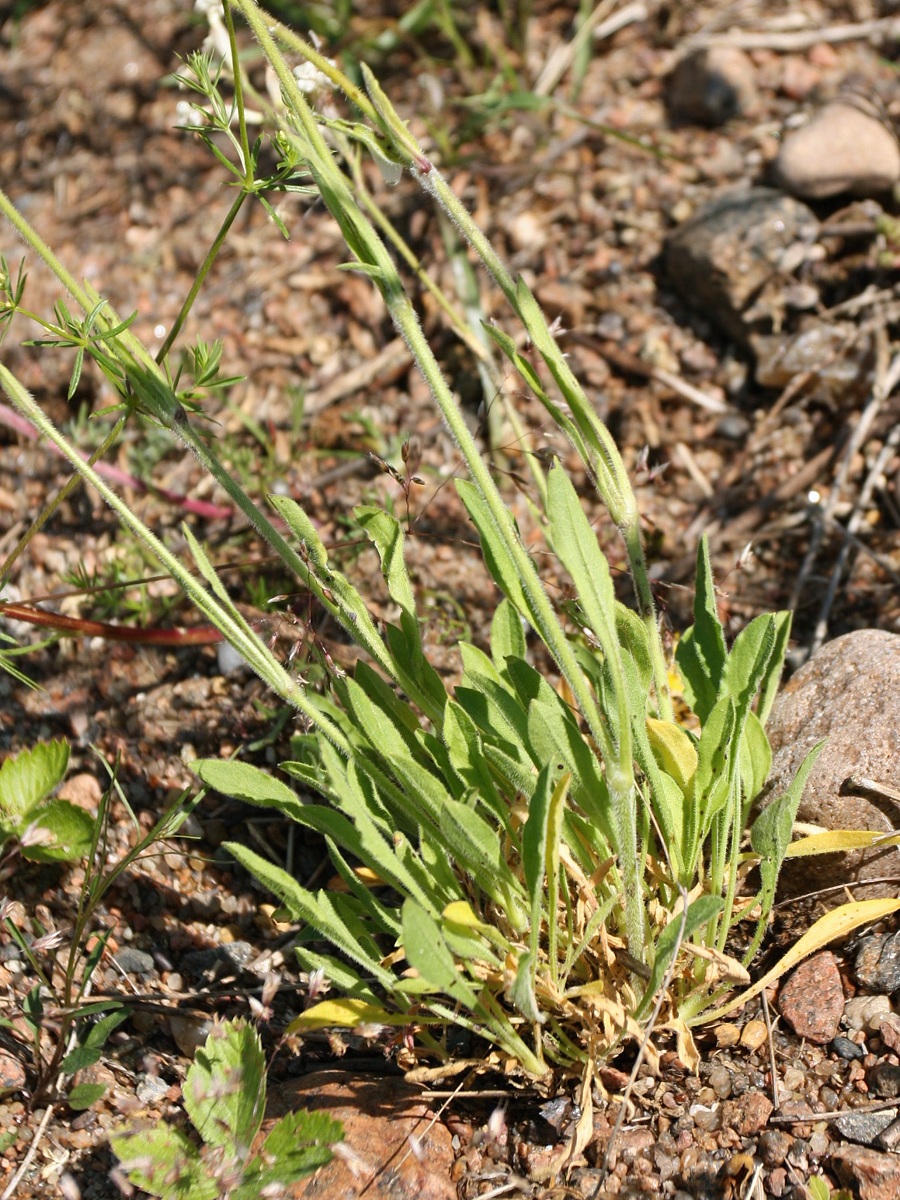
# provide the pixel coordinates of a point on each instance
(849, 693)
(722, 260)
(393, 1149)
(712, 85)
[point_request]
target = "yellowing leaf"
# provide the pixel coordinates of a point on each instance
(835, 924)
(687, 1048)
(460, 912)
(367, 876)
(673, 750)
(832, 840)
(346, 1013)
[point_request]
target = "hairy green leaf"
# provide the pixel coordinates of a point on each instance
(225, 1088)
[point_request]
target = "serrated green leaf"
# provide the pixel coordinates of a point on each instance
(163, 1162)
(297, 1145)
(57, 832)
(225, 1088)
(28, 777)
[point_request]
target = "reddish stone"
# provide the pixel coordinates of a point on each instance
(812, 1000)
(875, 1176)
(377, 1157)
(748, 1114)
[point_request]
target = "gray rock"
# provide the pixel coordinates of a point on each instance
(721, 260)
(712, 85)
(847, 1050)
(849, 693)
(228, 961)
(865, 1127)
(844, 148)
(134, 962)
(877, 965)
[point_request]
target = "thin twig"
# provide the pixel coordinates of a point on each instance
(801, 39)
(856, 518)
(833, 1115)
(599, 25)
(881, 389)
(636, 366)
(773, 1069)
(434, 1119)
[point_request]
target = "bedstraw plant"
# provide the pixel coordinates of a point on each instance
(546, 861)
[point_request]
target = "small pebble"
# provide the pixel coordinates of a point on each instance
(134, 962)
(150, 1089)
(720, 1081)
(845, 147)
(707, 1118)
(861, 1011)
(844, 1048)
(754, 1034)
(727, 1034)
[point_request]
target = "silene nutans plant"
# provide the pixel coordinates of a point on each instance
(551, 862)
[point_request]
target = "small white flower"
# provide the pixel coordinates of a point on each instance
(216, 41)
(310, 79)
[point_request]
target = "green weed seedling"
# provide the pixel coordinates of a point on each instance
(225, 1098)
(41, 829)
(65, 1030)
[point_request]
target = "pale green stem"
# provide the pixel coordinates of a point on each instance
(239, 635)
(211, 255)
(735, 830)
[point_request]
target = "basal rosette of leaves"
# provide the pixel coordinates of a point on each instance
(538, 862)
